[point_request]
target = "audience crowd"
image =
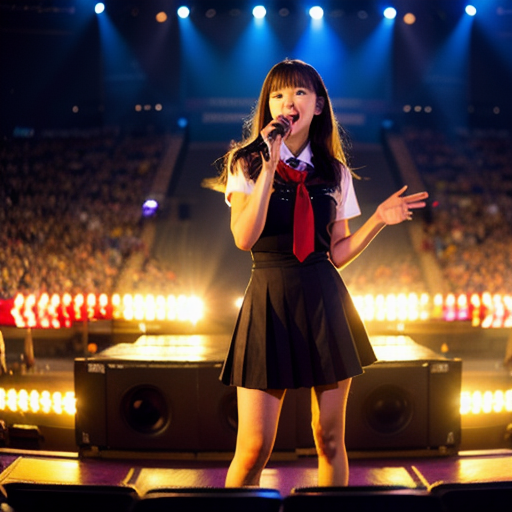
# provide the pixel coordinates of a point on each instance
(71, 212)
(469, 229)
(402, 274)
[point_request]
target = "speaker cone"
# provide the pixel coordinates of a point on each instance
(144, 409)
(388, 409)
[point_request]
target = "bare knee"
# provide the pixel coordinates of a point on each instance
(258, 413)
(328, 442)
(248, 463)
(328, 419)
(253, 453)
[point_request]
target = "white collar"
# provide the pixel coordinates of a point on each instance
(305, 154)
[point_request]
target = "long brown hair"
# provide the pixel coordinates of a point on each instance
(325, 134)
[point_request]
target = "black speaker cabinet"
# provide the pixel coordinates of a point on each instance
(175, 406)
(136, 405)
(169, 406)
(405, 405)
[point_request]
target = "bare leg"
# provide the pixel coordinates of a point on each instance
(328, 407)
(258, 417)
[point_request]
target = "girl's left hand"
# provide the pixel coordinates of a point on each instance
(397, 208)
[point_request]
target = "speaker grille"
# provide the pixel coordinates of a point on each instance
(388, 409)
(144, 409)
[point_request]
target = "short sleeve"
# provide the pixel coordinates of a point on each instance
(348, 205)
(237, 182)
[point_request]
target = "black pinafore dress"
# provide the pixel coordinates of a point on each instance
(297, 326)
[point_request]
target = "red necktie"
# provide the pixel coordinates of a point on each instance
(303, 218)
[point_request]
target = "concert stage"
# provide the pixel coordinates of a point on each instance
(405, 433)
(409, 400)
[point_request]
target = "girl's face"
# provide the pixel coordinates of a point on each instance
(298, 104)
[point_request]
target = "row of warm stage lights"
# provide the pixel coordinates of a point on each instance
(56, 311)
(484, 310)
(64, 403)
(316, 12)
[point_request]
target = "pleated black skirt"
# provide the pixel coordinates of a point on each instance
(297, 327)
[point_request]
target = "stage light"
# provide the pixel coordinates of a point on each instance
(99, 8)
(161, 17)
(58, 402)
(470, 10)
(183, 12)
(149, 207)
(409, 18)
(316, 12)
(487, 402)
(390, 13)
(259, 12)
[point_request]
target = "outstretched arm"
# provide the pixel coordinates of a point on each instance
(345, 247)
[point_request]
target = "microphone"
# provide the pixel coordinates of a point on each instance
(281, 127)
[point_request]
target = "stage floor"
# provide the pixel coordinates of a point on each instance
(415, 473)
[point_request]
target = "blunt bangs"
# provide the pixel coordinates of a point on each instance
(294, 74)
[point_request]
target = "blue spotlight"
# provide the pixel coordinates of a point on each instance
(99, 7)
(470, 10)
(183, 12)
(390, 13)
(259, 12)
(316, 12)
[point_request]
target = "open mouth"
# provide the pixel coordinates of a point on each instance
(293, 119)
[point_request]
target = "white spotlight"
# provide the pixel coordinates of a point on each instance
(259, 12)
(470, 10)
(316, 12)
(390, 13)
(99, 8)
(183, 12)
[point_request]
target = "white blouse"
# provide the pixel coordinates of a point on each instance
(346, 200)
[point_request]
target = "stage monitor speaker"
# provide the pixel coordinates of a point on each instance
(29, 496)
(61, 485)
(141, 405)
(354, 498)
(214, 499)
(405, 405)
(131, 405)
(136, 405)
(464, 497)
